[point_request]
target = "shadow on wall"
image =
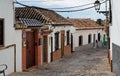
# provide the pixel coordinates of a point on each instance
(88, 46)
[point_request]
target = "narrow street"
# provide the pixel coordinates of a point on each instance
(91, 62)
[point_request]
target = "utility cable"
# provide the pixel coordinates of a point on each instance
(77, 10)
(80, 9)
(40, 1)
(62, 11)
(73, 6)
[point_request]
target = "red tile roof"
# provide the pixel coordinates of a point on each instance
(45, 16)
(84, 23)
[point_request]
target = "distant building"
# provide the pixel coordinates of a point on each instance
(85, 33)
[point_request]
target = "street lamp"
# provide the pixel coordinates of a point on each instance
(97, 5)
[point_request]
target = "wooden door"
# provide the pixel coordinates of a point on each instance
(98, 36)
(80, 40)
(71, 43)
(30, 54)
(62, 42)
(51, 48)
(94, 40)
(45, 47)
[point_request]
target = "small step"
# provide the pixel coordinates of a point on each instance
(101, 73)
(95, 74)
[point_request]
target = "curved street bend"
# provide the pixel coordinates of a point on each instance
(90, 62)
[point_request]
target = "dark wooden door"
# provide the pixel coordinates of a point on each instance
(62, 42)
(45, 49)
(71, 43)
(98, 36)
(51, 48)
(94, 40)
(80, 40)
(30, 54)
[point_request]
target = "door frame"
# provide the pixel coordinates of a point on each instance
(37, 48)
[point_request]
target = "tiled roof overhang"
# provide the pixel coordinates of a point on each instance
(45, 16)
(85, 24)
(30, 22)
(88, 28)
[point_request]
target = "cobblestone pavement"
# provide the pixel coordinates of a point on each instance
(90, 62)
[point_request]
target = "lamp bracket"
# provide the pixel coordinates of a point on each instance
(104, 12)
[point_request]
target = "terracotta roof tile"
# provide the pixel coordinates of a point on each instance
(84, 23)
(43, 15)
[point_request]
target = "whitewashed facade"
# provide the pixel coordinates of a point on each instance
(57, 29)
(115, 36)
(84, 33)
(11, 39)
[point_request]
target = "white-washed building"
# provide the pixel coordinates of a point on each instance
(85, 33)
(60, 40)
(10, 39)
(46, 36)
(115, 36)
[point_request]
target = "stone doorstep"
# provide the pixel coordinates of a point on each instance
(94, 74)
(102, 73)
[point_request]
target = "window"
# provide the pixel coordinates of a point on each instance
(1, 32)
(80, 40)
(89, 38)
(68, 37)
(57, 41)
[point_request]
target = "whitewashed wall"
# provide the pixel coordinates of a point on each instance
(85, 34)
(7, 57)
(57, 29)
(115, 26)
(115, 37)
(11, 36)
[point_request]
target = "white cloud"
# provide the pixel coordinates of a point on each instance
(61, 3)
(67, 3)
(64, 3)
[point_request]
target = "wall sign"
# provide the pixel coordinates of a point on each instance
(24, 35)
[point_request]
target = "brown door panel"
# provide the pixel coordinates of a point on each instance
(30, 49)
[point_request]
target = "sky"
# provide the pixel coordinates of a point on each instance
(90, 13)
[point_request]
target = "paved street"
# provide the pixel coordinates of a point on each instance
(90, 62)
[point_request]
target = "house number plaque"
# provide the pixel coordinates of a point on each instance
(24, 35)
